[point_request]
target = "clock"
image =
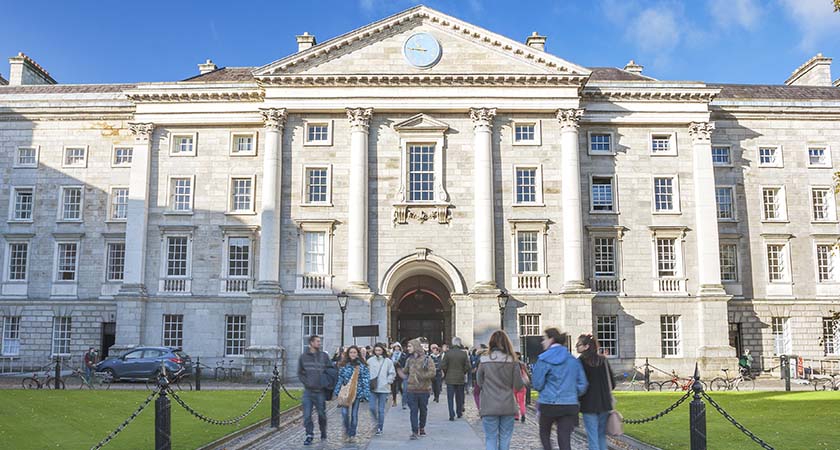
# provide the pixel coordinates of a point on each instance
(421, 50)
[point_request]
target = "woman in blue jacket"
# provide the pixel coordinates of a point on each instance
(350, 362)
(560, 380)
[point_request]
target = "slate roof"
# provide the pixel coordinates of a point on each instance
(64, 88)
(615, 74)
(225, 74)
(776, 92)
(3, 81)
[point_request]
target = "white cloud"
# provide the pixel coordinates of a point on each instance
(655, 30)
(815, 20)
(743, 13)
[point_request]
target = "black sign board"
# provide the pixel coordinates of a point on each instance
(365, 331)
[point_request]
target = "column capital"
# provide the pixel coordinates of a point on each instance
(274, 119)
(359, 118)
(701, 131)
(142, 131)
(569, 118)
(482, 117)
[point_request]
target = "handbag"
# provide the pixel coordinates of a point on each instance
(615, 423)
(347, 394)
(374, 382)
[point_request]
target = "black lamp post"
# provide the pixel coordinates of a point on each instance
(342, 303)
(503, 298)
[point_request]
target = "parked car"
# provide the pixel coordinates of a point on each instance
(143, 363)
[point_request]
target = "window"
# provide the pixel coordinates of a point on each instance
(115, 266)
(669, 327)
(721, 156)
(239, 257)
(776, 263)
(602, 194)
(181, 198)
(666, 257)
(529, 325)
(819, 157)
(769, 156)
(782, 339)
(527, 185)
(525, 133)
(663, 144)
(11, 336)
(527, 252)
(241, 194)
(71, 204)
(318, 133)
(315, 252)
(243, 144)
(314, 256)
(665, 194)
(18, 261)
(773, 199)
(729, 263)
(75, 156)
(313, 324)
(604, 257)
(183, 144)
(822, 204)
(123, 156)
(119, 203)
(27, 157)
(827, 264)
(600, 143)
(173, 330)
(61, 335)
(317, 181)
(725, 203)
(606, 330)
(831, 328)
(177, 256)
(421, 173)
(67, 260)
(23, 203)
(235, 332)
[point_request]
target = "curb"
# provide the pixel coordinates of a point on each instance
(286, 418)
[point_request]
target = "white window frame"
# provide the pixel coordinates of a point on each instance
(830, 329)
(676, 195)
(527, 326)
(729, 153)
(10, 326)
(519, 280)
(238, 232)
(114, 148)
(831, 215)
(613, 324)
(785, 259)
(81, 165)
(737, 279)
(170, 195)
(236, 335)
(538, 185)
(58, 243)
(591, 152)
(305, 184)
(7, 266)
(315, 226)
(237, 134)
(779, 163)
(828, 163)
(61, 205)
(421, 129)
(537, 140)
(175, 335)
(173, 231)
(58, 335)
(111, 205)
(307, 330)
(13, 204)
(16, 163)
(174, 135)
(782, 338)
(833, 261)
(677, 328)
(678, 234)
(307, 123)
(251, 206)
(734, 204)
(783, 214)
(613, 285)
(672, 138)
(108, 244)
(614, 188)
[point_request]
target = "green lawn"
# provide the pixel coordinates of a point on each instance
(76, 419)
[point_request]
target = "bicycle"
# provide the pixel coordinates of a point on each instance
(179, 380)
(222, 373)
(34, 382)
(99, 380)
(827, 384)
(676, 383)
(633, 384)
(738, 383)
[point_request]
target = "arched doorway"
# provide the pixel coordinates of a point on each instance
(421, 307)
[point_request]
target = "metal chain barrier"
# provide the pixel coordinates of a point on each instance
(660, 414)
(127, 421)
(231, 421)
(732, 420)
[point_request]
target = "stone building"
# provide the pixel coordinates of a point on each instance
(423, 166)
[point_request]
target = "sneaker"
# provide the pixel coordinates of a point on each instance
(451, 419)
(323, 436)
(414, 437)
(308, 440)
(379, 432)
(422, 432)
(522, 419)
(405, 407)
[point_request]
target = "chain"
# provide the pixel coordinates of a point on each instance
(131, 418)
(287, 391)
(731, 419)
(231, 421)
(657, 416)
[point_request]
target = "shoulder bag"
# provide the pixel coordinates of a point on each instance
(347, 394)
(374, 382)
(615, 424)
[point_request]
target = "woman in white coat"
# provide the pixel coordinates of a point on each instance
(382, 374)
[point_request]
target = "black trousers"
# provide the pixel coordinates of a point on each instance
(455, 392)
(437, 384)
(565, 426)
(396, 387)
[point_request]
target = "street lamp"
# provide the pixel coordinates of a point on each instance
(342, 303)
(503, 298)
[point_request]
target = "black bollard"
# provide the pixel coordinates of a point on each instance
(57, 373)
(647, 375)
(198, 373)
(697, 420)
(163, 422)
(786, 374)
(275, 399)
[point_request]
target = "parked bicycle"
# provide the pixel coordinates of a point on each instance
(227, 373)
(179, 380)
(99, 380)
(676, 383)
(48, 382)
(634, 383)
(832, 383)
(740, 383)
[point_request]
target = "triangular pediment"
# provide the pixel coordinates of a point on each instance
(421, 122)
(377, 49)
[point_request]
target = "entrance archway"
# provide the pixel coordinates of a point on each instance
(421, 307)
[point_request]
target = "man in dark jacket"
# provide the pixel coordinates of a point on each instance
(313, 365)
(455, 366)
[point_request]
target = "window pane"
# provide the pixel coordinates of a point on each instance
(119, 203)
(182, 194)
(600, 142)
(526, 185)
(71, 203)
(721, 156)
(775, 262)
(67, 261)
(24, 200)
(826, 263)
(772, 205)
(607, 334)
(116, 261)
(767, 155)
(421, 173)
(817, 156)
(239, 249)
(10, 344)
(243, 143)
(830, 329)
(61, 335)
(528, 251)
(604, 257)
(821, 202)
(123, 155)
(241, 194)
(235, 335)
(18, 260)
(176, 256)
(313, 324)
(315, 252)
(670, 334)
(661, 143)
(184, 144)
(173, 330)
(725, 208)
(729, 262)
(663, 190)
(316, 185)
(74, 156)
(27, 156)
(525, 132)
(602, 194)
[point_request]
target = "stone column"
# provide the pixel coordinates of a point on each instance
(572, 216)
(708, 250)
(357, 238)
(483, 218)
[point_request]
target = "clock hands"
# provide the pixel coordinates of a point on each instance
(419, 49)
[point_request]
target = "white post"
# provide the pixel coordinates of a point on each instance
(483, 220)
(708, 250)
(137, 213)
(269, 273)
(357, 227)
(572, 216)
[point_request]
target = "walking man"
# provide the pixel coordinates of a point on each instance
(314, 367)
(455, 366)
(418, 372)
(90, 363)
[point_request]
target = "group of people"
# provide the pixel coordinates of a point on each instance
(567, 386)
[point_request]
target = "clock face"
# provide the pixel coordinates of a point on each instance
(422, 50)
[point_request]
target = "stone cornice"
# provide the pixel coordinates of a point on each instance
(188, 95)
(649, 93)
(449, 80)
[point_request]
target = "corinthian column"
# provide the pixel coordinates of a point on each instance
(708, 251)
(357, 226)
(572, 219)
(483, 219)
(269, 275)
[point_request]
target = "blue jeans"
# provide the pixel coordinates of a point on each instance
(317, 399)
(404, 392)
(498, 431)
(418, 403)
(596, 430)
(455, 392)
(88, 374)
(350, 416)
(377, 407)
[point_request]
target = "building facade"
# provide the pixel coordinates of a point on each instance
(423, 166)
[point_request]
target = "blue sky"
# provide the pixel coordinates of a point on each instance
(735, 41)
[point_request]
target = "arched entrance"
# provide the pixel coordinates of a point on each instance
(421, 307)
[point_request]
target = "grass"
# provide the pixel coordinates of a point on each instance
(73, 419)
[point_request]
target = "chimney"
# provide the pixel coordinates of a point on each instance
(305, 41)
(536, 41)
(207, 67)
(632, 67)
(23, 70)
(815, 72)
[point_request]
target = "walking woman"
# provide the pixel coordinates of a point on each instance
(498, 377)
(352, 371)
(560, 380)
(418, 373)
(398, 358)
(382, 376)
(520, 394)
(596, 403)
